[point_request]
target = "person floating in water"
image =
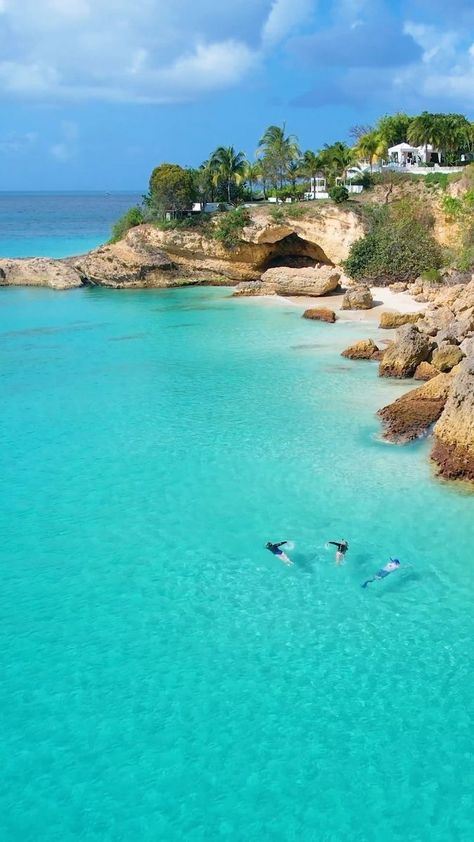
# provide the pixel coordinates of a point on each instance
(392, 565)
(341, 550)
(276, 550)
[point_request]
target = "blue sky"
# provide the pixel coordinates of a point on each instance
(94, 93)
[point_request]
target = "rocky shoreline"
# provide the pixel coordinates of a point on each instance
(302, 257)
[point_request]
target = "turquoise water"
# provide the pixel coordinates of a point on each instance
(58, 224)
(164, 677)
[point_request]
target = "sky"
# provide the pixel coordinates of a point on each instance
(95, 93)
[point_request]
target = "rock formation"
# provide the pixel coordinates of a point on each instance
(316, 281)
(321, 314)
(409, 349)
(446, 356)
(357, 298)
(453, 451)
(411, 415)
(425, 371)
(364, 349)
(39, 271)
(391, 320)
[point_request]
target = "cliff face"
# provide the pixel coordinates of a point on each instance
(453, 451)
(149, 257)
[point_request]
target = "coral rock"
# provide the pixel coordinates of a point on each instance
(410, 416)
(446, 357)
(454, 433)
(318, 280)
(365, 349)
(409, 349)
(425, 371)
(391, 320)
(321, 314)
(358, 298)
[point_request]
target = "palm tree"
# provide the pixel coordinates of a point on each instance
(228, 167)
(277, 150)
(421, 130)
(253, 173)
(371, 147)
(338, 157)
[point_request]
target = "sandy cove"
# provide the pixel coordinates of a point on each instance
(384, 298)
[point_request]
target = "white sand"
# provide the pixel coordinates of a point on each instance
(384, 298)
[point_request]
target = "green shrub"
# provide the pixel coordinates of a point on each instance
(230, 225)
(296, 211)
(278, 214)
(437, 179)
(399, 245)
(452, 207)
(130, 219)
(339, 194)
(195, 220)
(431, 276)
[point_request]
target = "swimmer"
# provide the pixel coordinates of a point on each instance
(392, 565)
(341, 550)
(275, 549)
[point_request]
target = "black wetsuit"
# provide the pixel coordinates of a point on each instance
(341, 548)
(275, 548)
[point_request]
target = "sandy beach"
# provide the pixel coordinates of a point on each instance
(384, 298)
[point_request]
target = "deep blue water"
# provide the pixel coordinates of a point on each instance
(58, 224)
(163, 676)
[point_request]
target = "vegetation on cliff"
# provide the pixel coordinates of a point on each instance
(399, 245)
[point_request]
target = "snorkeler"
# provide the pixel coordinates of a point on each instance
(392, 565)
(275, 549)
(341, 550)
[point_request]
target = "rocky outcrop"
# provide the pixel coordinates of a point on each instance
(364, 349)
(39, 271)
(446, 356)
(320, 314)
(410, 416)
(249, 288)
(425, 371)
(358, 298)
(409, 349)
(453, 451)
(149, 256)
(315, 281)
(391, 320)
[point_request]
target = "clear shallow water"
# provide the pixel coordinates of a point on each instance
(58, 224)
(164, 677)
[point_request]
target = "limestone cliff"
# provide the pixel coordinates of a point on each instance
(150, 257)
(453, 451)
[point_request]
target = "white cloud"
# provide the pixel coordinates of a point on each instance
(446, 72)
(285, 16)
(149, 51)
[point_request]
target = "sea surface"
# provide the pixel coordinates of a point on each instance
(58, 224)
(164, 677)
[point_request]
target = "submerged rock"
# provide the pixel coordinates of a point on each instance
(358, 298)
(409, 349)
(364, 349)
(314, 281)
(453, 451)
(390, 320)
(320, 314)
(411, 415)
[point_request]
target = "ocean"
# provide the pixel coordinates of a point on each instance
(164, 676)
(58, 224)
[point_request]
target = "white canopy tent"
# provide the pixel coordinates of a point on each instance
(403, 153)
